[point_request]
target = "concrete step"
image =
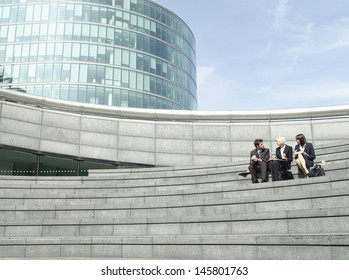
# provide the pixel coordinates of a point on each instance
(322, 152)
(110, 187)
(336, 147)
(197, 174)
(322, 192)
(300, 221)
(169, 198)
(248, 247)
(185, 213)
(157, 175)
(334, 172)
(140, 184)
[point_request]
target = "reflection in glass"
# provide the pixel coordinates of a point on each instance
(137, 47)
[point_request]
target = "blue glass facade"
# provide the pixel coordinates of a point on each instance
(129, 53)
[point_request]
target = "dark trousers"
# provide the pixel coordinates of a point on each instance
(258, 168)
(275, 167)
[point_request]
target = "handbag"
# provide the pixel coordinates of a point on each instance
(285, 175)
(316, 171)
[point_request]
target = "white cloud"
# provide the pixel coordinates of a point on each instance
(325, 90)
(332, 46)
(214, 89)
(318, 39)
(289, 66)
(322, 93)
(279, 15)
(217, 93)
(344, 19)
(265, 50)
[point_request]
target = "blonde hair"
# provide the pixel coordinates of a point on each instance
(281, 139)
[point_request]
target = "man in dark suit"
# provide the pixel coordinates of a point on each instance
(259, 158)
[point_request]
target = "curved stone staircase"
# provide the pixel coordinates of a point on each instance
(203, 212)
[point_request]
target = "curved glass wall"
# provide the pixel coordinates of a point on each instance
(129, 53)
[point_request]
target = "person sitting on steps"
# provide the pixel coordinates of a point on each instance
(259, 158)
(282, 159)
(304, 155)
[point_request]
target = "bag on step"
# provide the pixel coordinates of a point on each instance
(285, 175)
(316, 171)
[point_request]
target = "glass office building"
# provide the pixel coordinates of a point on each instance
(128, 53)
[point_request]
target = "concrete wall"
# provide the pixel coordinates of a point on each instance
(155, 142)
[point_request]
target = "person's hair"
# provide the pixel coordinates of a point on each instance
(281, 139)
(257, 142)
(301, 139)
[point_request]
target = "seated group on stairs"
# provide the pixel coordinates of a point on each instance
(280, 164)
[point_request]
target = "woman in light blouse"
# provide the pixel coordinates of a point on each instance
(282, 159)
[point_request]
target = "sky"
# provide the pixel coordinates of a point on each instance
(268, 54)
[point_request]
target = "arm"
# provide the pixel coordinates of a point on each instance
(289, 154)
(310, 154)
(278, 153)
(266, 155)
(252, 155)
(296, 149)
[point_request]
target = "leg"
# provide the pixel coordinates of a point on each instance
(300, 161)
(308, 163)
(264, 171)
(274, 169)
(253, 168)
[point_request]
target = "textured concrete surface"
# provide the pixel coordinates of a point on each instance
(210, 247)
(177, 213)
(153, 142)
(199, 208)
